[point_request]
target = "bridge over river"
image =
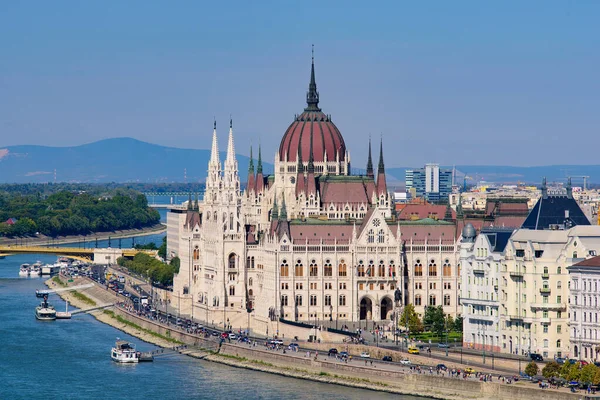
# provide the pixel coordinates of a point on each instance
(96, 256)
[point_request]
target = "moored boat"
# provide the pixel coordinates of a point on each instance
(50, 269)
(45, 311)
(24, 270)
(124, 352)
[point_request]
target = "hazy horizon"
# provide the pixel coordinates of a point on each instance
(468, 83)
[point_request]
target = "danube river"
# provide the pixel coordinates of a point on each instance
(70, 359)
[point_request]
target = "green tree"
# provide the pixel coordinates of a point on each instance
(552, 369)
(596, 380)
(587, 373)
(458, 324)
(410, 317)
(532, 369)
(435, 320)
(162, 250)
(574, 372)
(565, 369)
(175, 262)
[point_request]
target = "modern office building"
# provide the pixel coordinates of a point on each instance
(432, 183)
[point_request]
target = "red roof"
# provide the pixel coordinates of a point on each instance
(329, 232)
(421, 211)
(590, 262)
(342, 192)
(326, 138)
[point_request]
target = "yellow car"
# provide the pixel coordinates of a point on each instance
(469, 370)
(413, 350)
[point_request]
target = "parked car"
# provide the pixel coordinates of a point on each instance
(413, 350)
(536, 357)
(344, 354)
(387, 358)
(293, 347)
(443, 345)
(523, 375)
(365, 354)
(469, 370)
(405, 361)
(232, 336)
(583, 363)
(278, 341)
(333, 351)
(560, 360)
(441, 367)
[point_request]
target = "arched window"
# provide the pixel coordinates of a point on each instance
(574, 254)
(432, 268)
(224, 217)
(342, 271)
(558, 344)
(392, 269)
(327, 268)
(381, 269)
(558, 270)
(249, 281)
(432, 300)
(446, 268)
(232, 260)
(232, 290)
(559, 285)
(380, 236)
(285, 269)
(215, 216)
(371, 236)
(418, 268)
(371, 269)
(196, 253)
(545, 270)
(446, 299)
(208, 216)
(314, 270)
(298, 269)
(231, 221)
(252, 262)
(250, 292)
(361, 268)
(418, 300)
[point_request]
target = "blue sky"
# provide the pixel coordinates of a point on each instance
(466, 82)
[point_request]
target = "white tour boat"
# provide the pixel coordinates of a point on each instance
(45, 312)
(124, 352)
(24, 270)
(36, 269)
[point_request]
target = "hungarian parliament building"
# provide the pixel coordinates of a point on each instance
(312, 242)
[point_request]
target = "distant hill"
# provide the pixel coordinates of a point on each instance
(131, 160)
(507, 174)
(110, 160)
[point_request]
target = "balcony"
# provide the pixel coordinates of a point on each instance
(545, 275)
(545, 321)
(549, 306)
(545, 291)
(478, 270)
(516, 274)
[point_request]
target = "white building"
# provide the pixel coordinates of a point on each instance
(481, 258)
(583, 308)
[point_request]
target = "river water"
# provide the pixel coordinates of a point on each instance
(70, 359)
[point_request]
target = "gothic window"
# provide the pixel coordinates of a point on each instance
(232, 290)
(298, 300)
(284, 300)
(446, 268)
(371, 269)
(285, 269)
(298, 269)
(224, 217)
(248, 262)
(196, 253)
(342, 268)
(371, 236)
(313, 300)
(252, 262)
(432, 300)
(418, 300)
(314, 270)
(361, 268)
(231, 221)
(250, 293)
(392, 270)
(432, 268)
(328, 269)
(215, 216)
(381, 269)
(342, 300)
(446, 299)
(380, 236)
(328, 300)
(249, 281)
(418, 268)
(232, 260)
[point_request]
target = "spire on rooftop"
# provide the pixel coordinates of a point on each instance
(312, 96)
(370, 172)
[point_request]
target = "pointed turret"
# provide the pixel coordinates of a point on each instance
(459, 209)
(381, 183)
(230, 160)
(544, 189)
(311, 187)
(259, 174)
(569, 188)
(275, 210)
(196, 205)
(214, 152)
(448, 214)
(250, 184)
(312, 96)
(370, 172)
(189, 204)
(283, 214)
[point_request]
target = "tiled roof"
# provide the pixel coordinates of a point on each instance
(420, 211)
(590, 262)
(340, 232)
(551, 211)
(346, 191)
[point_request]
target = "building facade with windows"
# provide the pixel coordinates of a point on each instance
(584, 282)
(481, 258)
(311, 242)
(431, 182)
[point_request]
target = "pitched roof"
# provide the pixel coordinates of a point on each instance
(552, 210)
(351, 189)
(420, 211)
(590, 262)
(498, 238)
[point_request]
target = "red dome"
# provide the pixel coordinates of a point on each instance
(326, 138)
(312, 126)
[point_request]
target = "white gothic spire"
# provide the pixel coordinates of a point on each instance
(214, 153)
(230, 146)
